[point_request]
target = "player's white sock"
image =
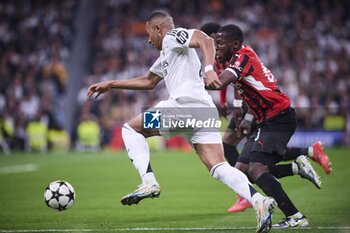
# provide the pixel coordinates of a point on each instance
(297, 215)
(295, 168)
(310, 151)
(138, 151)
(233, 178)
(149, 178)
(257, 198)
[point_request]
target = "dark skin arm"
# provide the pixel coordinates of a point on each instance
(226, 77)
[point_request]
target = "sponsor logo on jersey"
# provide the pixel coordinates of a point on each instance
(236, 67)
(181, 37)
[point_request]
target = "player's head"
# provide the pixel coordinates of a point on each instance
(210, 29)
(158, 24)
(229, 40)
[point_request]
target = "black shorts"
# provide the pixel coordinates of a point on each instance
(270, 138)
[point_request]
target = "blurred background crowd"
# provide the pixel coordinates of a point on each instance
(306, 44)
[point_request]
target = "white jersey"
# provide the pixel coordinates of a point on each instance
(180, 66)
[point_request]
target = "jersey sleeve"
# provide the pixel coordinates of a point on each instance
(240, 65)
(178, 39)
(156, 68)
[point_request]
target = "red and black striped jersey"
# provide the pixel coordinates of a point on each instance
(256, 84)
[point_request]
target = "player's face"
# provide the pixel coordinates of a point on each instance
(224, 49)
(154, 35)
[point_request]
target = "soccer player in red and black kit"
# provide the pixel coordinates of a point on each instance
(276, 120)
(237, 130)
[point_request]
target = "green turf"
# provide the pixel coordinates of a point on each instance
(190, 197)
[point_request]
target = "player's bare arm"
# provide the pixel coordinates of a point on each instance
(207, 47)
(139, 83)
(226, 77)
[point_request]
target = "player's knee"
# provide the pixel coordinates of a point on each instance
(229, 137)
(242, 167)
(255, 170)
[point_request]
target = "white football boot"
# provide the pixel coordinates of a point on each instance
(143, 191)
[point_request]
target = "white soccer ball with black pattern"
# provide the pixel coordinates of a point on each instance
(59, 195)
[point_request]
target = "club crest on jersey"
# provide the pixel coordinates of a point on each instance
(181, 37)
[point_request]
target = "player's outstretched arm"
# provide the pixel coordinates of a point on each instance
(226, 77)
(139, 83)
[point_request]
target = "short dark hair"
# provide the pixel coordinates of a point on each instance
(210, 28)
(158, 14)
(232, 32)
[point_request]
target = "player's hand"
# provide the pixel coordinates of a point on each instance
(237, 113)
(212, 81)
(98, 88)
(245, 127)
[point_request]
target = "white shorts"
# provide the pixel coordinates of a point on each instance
(183, 107)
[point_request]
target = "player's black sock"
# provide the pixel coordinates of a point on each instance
(231, 153)
(294, 152)
(272, 187)
(281, 170)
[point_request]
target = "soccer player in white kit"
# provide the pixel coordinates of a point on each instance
(180, 67)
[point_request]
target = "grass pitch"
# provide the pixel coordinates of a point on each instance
(191, 200)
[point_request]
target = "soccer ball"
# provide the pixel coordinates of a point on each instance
(59, 195)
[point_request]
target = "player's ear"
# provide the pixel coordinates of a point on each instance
(157, 27)
(236, 43)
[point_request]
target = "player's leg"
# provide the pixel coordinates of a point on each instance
(301, 166)
(212, 156)
(258, 171)
(242, 164)
(138, 151)
(293, 153)
(230, 141)
(269, 146)
(315, 152)
(241, 204)
(284, 170)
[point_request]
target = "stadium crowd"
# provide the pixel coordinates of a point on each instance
(35, 39)
(306, 44)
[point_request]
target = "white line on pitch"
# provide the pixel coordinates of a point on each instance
(30, 167)
(167, 229)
